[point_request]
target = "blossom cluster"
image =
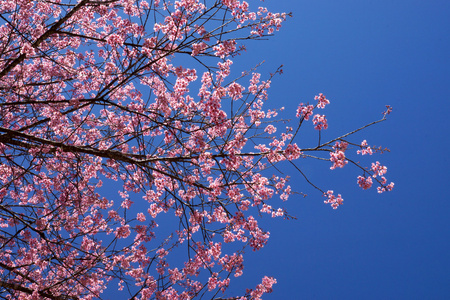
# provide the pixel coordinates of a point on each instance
(376, 169)
(337, 157)
(333, 200)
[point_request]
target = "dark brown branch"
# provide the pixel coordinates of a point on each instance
(18, 287)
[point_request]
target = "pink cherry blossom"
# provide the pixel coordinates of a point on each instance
(338, 159)
(335, 201)
(365, 183)
(320, 122)
(387, 188)
(322, 100)
(378, 169)
(365, 149)
(304, 111)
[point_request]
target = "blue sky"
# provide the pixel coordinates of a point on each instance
(364, 55)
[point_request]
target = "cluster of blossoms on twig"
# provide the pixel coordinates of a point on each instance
(376, 170)
(337, 153)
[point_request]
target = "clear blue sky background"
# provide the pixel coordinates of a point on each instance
(364, 55)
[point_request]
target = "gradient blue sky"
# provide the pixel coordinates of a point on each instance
(364, 55)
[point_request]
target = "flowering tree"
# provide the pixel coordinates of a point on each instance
(104, 137)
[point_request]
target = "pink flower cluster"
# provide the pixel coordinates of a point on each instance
(365, 182)
(292, 151)
(385, 188)
(225, 48)
(335, 201)
(338, 156)
(198, 48)
(377, 170)
(365, 149)
(320, 122)
(304, 111)
(115, 40)
(264, 287)
(235, 90)
(322, 100)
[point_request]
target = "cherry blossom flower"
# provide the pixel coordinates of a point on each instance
(320, 122)
(304, 111)
(365, 149)
(365, 183)
(338, 159)
(322, 100)
(335, 201)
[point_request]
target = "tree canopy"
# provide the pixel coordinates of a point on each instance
(107, 133)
